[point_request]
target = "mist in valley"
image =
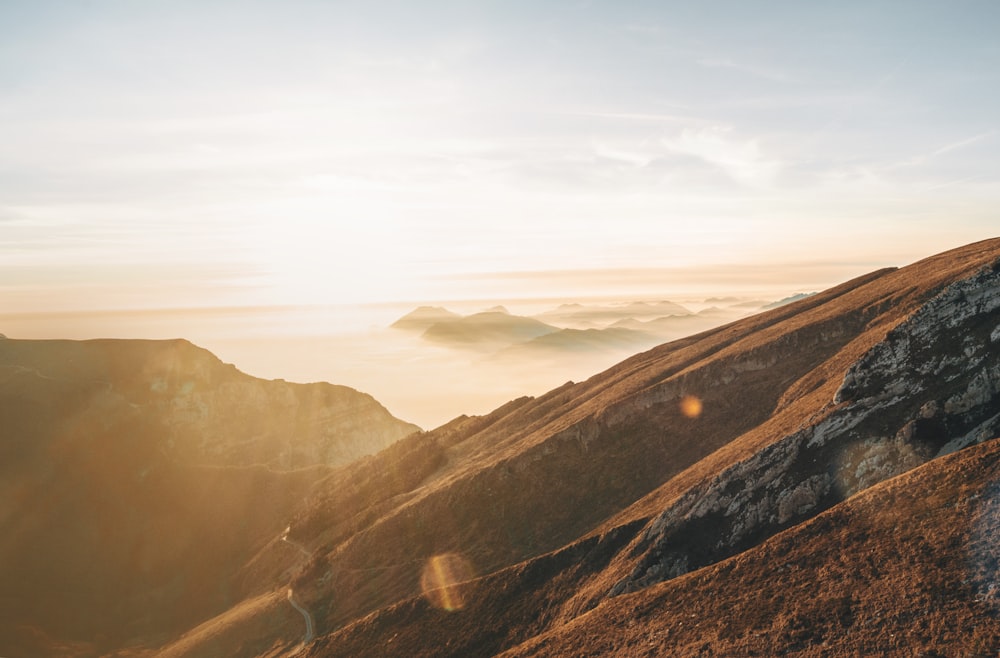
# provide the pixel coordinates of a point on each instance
(427, 363)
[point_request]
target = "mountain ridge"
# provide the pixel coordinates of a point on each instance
(592, 518)
(137, 476)
(885, 302)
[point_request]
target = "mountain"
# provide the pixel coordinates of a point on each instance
(135, 476)
(422, 317)
(907, 567)
(589, 331)
(582, 340)
(207, 411)
(820, 478)
(789, 300)
(677, 326)
(579, 316)
(612, 487)
(487, 329)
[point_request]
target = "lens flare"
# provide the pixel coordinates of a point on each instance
(442, 580)
(690, 406)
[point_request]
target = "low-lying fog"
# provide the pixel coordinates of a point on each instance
(426, 364)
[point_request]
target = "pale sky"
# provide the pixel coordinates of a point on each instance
(186, 153)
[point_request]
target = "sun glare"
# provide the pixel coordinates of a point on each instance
(442, 581)
(690, 406)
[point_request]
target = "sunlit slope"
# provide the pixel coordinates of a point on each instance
(617, 450)
(138, 477)
(904, 567)
(132, 527)
(908, 567)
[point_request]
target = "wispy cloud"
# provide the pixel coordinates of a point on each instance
(928, 156)
(749, 68)
(742, 159)
(962, 143)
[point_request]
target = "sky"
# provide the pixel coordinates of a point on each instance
(186, 153)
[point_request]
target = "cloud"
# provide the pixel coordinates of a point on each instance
(931, 155)
(962, 143)
(743, 160)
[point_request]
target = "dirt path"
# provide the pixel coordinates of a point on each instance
(306, 615)
(291, 597)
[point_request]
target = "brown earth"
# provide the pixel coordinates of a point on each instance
(591, 520)
(119, 526)
(608, 458)
(908, 567)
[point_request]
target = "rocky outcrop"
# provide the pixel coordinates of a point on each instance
(930, 387)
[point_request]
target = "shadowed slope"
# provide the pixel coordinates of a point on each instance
(553, 469)
(905, 566)
(909, 566)
(130, 492)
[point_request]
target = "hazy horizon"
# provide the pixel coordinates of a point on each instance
(296, 173)
(170, 155)
(353, 345)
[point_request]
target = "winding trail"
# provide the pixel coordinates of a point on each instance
(305, 614)
(291, 597)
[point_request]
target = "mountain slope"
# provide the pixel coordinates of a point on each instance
(909, 565)
(210, 412)
(702, 488)
(526, 529)
(137, 477)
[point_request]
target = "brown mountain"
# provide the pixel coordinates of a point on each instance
(571, 501)
(136, 476)
(818, 479)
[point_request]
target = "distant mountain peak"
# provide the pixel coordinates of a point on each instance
(488, 328)
(789, 300)
(423, 317)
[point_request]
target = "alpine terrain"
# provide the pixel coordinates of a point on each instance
(822, 478)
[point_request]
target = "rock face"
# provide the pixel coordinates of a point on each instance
(207, 412)
(930, 387)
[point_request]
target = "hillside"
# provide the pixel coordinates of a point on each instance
(821, 472)
(781, 438)
(908, 567)
(137, 476)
